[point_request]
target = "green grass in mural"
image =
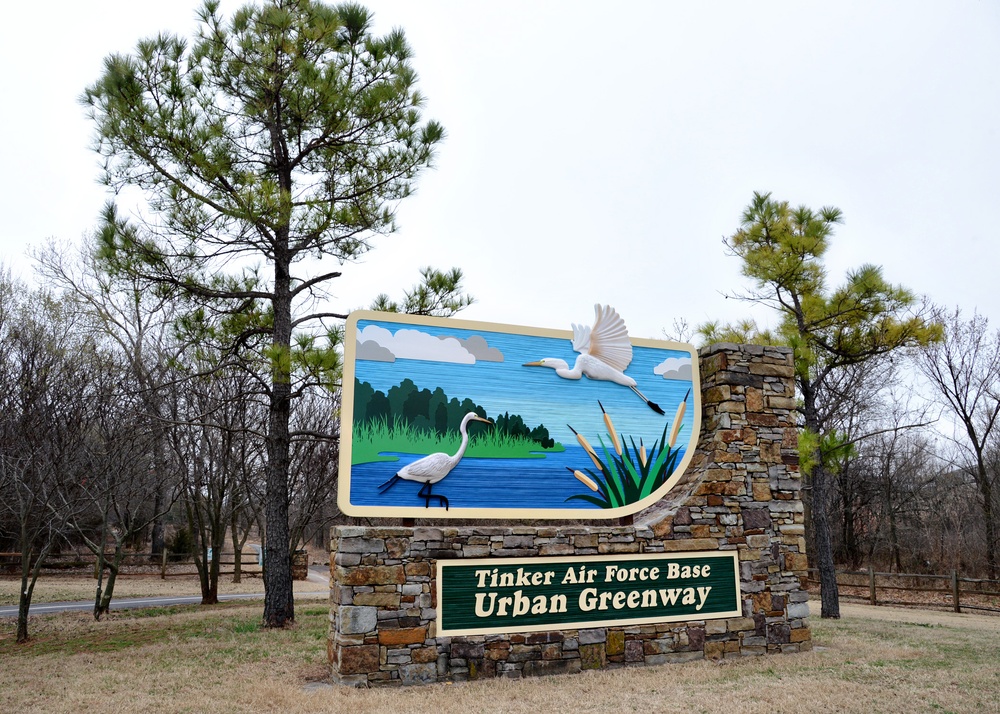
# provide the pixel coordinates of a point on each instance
(626, 473)
(370, 440)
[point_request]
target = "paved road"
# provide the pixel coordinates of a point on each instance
(136, 602)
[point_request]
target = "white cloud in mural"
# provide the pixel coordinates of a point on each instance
(412, 344)
(374, 352)
(674, 368)
(479, 348)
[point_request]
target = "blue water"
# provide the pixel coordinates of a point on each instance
(481, 483)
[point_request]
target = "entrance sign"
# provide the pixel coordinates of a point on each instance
(444, 418)
(532, 594)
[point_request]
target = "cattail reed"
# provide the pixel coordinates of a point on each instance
(584, 479)
(588, 448)
(677, 420)
(611, 429)
(642, 452)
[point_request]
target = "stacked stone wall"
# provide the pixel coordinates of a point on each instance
(741, 492)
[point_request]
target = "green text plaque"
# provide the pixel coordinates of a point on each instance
(532, 594)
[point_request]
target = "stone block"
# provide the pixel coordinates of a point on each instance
(778, 633)
(541, 668)
(387, 600)
(772, 370)
(358, 620)
(798, 610)
(615, 643)
(715, 627)
(593, 656)
(740, 624)
(696, 637)
(674, 657)
(419, 568)
(556, 549)
(418, 673)
(402, 636)
(714, 395)
(467, 650)
(590, 637)
(423, 655)
(372, 575)
(715, 650)
(358, 660)
(801, 634)
(761, 491)
(634, 651)
(796, 561)
(673, 546)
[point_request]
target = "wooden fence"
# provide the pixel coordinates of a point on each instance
(169, 565)
(950, 590)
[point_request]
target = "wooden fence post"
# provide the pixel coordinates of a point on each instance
(163, 566)
(871, 586)
(954, 590)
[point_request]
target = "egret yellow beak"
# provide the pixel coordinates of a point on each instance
(532, 364)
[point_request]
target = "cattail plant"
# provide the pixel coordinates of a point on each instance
(625, 472)
(583, 478)
(611, 429)
(678, 418)
(588, 448)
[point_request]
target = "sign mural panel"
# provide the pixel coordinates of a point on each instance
(534, 594)
(446, 418)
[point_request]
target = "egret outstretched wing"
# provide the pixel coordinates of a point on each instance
(607, 340)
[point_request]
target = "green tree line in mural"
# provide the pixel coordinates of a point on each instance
(406, 407)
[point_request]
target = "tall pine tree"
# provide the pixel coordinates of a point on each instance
(782, 250)
(274, 142)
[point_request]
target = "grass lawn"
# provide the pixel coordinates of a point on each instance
(217, 659)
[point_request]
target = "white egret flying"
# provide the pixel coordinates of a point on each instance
(605, 352)
(431, 469)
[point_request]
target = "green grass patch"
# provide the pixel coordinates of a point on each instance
(370, 440)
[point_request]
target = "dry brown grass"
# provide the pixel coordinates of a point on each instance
(217, 660)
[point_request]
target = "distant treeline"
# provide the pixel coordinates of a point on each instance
(433, 411)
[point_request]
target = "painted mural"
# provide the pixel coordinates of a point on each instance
(446, 418)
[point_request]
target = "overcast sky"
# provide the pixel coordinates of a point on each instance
(599, 152)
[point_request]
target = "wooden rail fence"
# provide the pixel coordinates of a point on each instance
(870, 584)
(10, 562)
(170, 565)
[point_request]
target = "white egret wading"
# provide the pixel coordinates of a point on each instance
(431, 469)
(605, 352)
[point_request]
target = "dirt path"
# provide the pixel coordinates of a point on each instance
(919, 617)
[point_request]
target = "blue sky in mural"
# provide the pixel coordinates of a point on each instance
(537, 394)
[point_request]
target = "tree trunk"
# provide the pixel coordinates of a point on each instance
(829, 595)
(24, 598)
(104, 599)
(279, 607)
(894, 541)
(986, 490)
(158, 540)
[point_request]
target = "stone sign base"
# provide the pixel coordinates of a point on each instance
(741, 492)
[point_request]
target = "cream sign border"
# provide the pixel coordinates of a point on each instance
(347, 415)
